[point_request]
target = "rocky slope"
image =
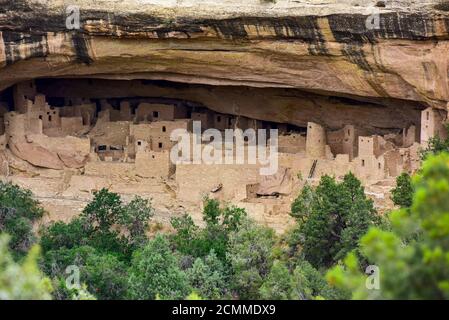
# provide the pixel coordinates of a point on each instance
(324, 46)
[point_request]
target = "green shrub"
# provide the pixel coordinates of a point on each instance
(220, 222)
(155, 272)
(208, 277)
(250, 257)
(103, 274)
(18, 212)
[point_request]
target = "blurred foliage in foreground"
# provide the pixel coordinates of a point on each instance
(21, 281)
(413, 258)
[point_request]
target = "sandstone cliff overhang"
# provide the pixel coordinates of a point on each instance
(315, 45)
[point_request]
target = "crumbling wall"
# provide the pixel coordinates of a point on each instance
(196, 180)
(159, 112)
(109, 169)
(71, 125)
(86, 111)
(222, 121)
(150, 164)
(125, 111)
(110, 133)
(39, 109)
(292, 143)
(342, 141)
(410, 136)
(22, 92)
(206, 118)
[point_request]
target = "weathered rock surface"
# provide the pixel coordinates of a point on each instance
(35, 154)
(321, 46)
(277, 184)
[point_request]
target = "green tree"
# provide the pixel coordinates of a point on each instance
(304, 283)
(334, 218)
(220, 222)
(155, 272)
(278, 283)
(103, 211)
(60, 235)
(21, 281)
(250, 257)
(186, 236)
(80, 232)
(402, 194)
(302, 205)
(100, 242)
(208, 277)
(308, 283)
(211, 212)
(134, 217)
(18, 212)
(413, 256)
(104, 274)
(106, 224)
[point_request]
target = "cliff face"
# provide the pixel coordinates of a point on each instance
(327, 47)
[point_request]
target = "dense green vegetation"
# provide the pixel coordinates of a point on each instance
(337, 234)
(331, 219)
(414, 256)
(18, 211)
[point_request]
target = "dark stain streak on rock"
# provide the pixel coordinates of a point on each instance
(352, 28)
(231, 29)
(36, 46)
(288, 28)
(81, 45)
(348, 29)
(355, 54)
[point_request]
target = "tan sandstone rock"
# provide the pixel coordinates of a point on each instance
(36, 155)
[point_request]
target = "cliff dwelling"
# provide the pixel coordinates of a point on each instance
(74, 136)
(95, 107)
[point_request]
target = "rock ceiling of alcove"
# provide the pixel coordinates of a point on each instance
(310, 45)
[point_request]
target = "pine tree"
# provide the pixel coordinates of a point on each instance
(402, 195)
